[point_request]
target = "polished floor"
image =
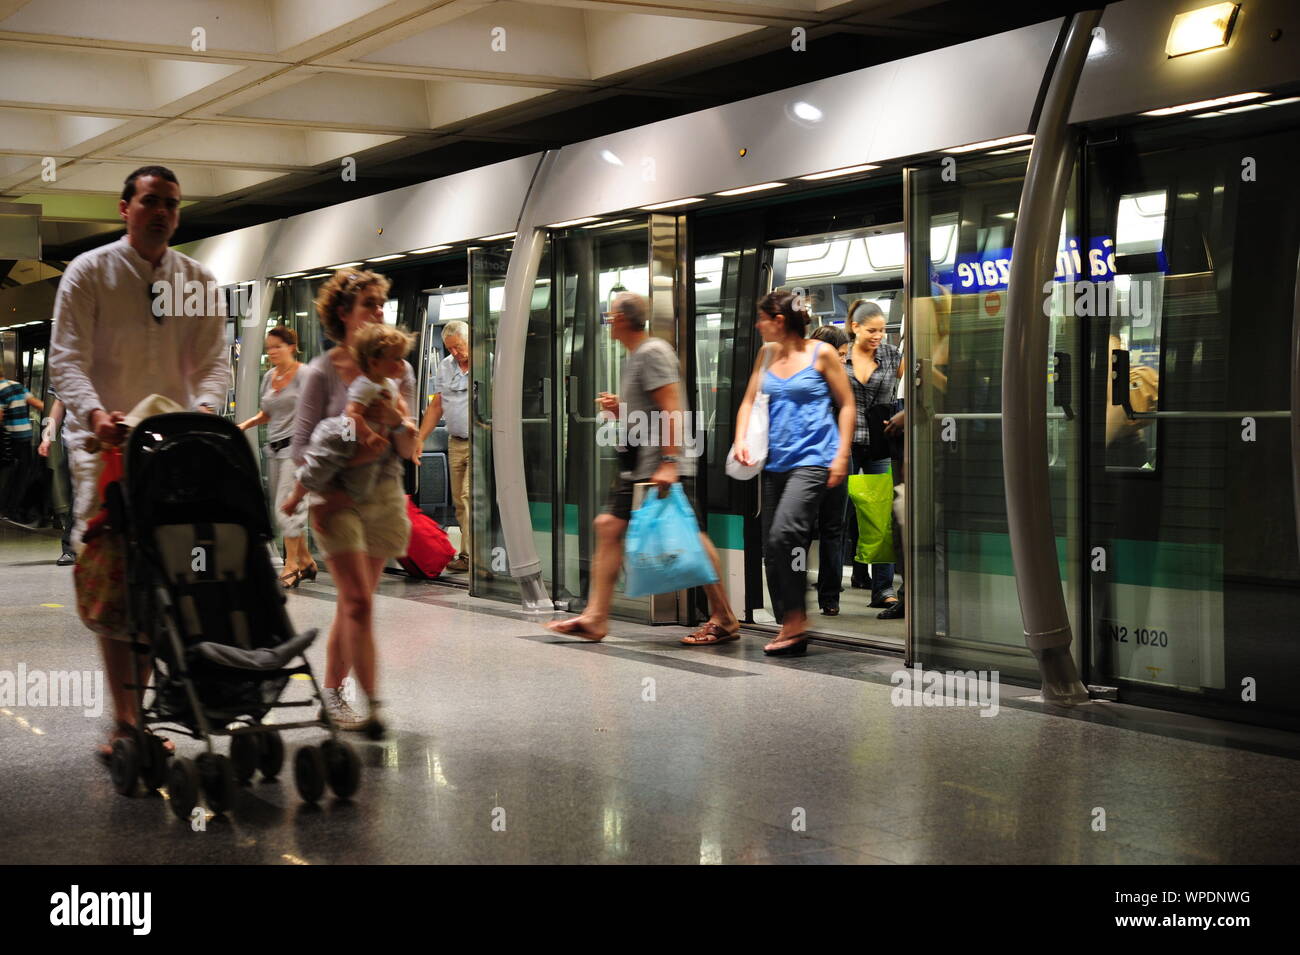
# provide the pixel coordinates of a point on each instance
(638, 750)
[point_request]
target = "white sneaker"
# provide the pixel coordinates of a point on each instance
(344, 717)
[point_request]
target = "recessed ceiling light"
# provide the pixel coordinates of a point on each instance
(1202, 104)
(669, 205)
(971, 147)
(290, 275)
(431, 248)
(494, 238)
(387, 258)
(566, 224)
(744, 189)
(845, 171)
(601, 225)
(318, 275)
(345, 265)
(1012, 149)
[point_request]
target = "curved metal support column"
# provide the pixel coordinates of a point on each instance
(1295, 402)
(507, 400)
(1024, 394)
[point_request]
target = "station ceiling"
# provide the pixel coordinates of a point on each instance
(258, 105)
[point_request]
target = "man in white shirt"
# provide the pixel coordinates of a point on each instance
(451, 385)
(117, 338)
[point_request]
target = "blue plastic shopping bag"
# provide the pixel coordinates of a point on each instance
(664, 552)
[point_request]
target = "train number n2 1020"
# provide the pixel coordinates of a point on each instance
(1142, 636)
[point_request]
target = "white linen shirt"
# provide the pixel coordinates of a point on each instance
(108, 351)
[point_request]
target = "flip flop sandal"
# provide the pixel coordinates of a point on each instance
(709, 634)
(574, 631)
(797, 648)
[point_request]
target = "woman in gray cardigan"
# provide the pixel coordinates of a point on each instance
(281, 388)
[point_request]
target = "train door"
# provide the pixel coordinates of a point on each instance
(1192, 523)
(591, 266)
(832, 272)
(962, 596)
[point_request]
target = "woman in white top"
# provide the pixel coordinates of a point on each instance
(281, 387)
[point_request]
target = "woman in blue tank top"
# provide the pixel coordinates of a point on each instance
(808, 450)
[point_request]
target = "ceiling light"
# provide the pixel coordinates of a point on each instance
(1281, 102)
(494, 238)
(1202, 29)
(846, 171)
(1244, 109)
(1006, 215)
(971, 147)
(744, 189)
(806, 111)
(387, 258)
(601, 225)
(345, 265)
(432, 248)
(319, 275)
(1202, 104)
(565, 225)
(290, 275)
(669, 205)
(1011, 149)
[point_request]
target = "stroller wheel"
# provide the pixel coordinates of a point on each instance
(153, 773)
(309, 773)
(217, 775)
(183, 788)
(124, 765)
(342, 766)
(270, 757)
(244, 753)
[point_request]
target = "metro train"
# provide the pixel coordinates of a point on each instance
(1084, 238)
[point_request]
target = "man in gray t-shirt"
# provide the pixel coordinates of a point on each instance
(654, 426)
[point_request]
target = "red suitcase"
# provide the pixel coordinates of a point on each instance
(430, 550)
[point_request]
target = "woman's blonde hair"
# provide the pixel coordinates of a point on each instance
(375, 339)
(339, 294)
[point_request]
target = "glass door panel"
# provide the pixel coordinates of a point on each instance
(966, 610)
(489, 568)
(1196, 584)
(593, 265)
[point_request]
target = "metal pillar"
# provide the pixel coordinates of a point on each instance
(1024, 360)
(507, 400)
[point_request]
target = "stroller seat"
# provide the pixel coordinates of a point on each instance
(206, 566)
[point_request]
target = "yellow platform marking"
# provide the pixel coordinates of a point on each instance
(300, 676)
(54, 606)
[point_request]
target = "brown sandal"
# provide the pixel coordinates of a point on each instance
(709, 634)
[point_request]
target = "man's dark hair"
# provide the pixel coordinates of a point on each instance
(161, 172)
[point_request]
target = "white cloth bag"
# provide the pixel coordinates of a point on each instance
(755, 436)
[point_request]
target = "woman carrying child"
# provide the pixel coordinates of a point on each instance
(358, 536)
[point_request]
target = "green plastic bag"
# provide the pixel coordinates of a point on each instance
(873, 500)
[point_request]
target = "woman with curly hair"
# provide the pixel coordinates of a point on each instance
(358, 537)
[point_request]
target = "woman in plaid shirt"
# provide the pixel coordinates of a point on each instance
(874, 367)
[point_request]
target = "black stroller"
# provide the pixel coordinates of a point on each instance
(205, 606)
